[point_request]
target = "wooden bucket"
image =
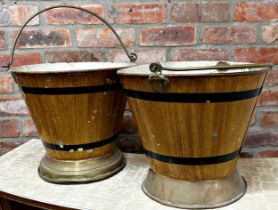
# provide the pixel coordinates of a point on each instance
(192, 118)
(77, 109)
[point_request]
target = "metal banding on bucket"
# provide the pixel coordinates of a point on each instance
(77, 109)
(75, 147)
(77, 113)
(193, 97)
(71, 90)
(192, 118)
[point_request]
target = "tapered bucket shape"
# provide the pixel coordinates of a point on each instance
(192, 118)
(77, 109)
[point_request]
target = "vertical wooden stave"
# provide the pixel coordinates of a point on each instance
(105, 108)
(146, 116)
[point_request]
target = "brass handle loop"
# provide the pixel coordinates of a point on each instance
(221, 65)
(159, 81)
(132, 56)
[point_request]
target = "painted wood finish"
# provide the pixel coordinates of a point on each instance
(194, 129)
(78, 118)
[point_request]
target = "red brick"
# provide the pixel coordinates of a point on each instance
(214, 12)
(20, 59)
(6, 146)
(74, 56)
(229, 35)
(8, 129)
(2, 40)
(168, 36)
(200, 12)
(18, 14)
(269, 119)
(268, 98)
(261, 138)
(29, 129)
(270, 34)
(6, 84)
(46, 38)
(12, 106)
(185, 12)
(72, 16)
(246, 155)
(268, 153)
(189, 54)
(272, 78)
(256, 11)
(128, 125)
(144, 55)
(140, 13)
(257, 55)
(103, 37)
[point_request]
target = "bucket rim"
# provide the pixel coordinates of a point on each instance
(144, 69)
(69, 67)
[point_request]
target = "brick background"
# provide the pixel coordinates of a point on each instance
(168, 36)
(71, 16)
(103, 37)
(126, 13)
(157, 31)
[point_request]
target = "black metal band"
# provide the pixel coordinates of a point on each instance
(193, 97)
(71, 90)
(80, 147)
(194, 160)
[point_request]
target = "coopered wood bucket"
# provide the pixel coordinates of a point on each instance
(77, 109)
(192, 118)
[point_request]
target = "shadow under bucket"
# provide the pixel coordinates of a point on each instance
(192, 118)
(77, 109)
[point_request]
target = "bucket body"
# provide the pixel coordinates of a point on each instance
(77, 109)
(193, 129)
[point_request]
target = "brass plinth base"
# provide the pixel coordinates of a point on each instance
(197, 194)
(81, 171)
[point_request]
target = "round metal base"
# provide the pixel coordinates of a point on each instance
(80, 171)
(195, 194)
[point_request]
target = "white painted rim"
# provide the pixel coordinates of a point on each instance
(46, 68)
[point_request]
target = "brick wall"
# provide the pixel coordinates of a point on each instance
(157, 30)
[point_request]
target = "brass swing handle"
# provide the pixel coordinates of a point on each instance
(132, 56)
(159, 81)
(221, 65)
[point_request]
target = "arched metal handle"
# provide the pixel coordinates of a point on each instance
(159, 81)
(132, 56)
(221, 65)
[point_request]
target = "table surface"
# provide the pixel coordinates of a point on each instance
(19, 177)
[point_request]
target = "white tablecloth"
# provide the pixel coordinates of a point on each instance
(18, 176)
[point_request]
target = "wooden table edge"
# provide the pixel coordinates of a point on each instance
(32, 202)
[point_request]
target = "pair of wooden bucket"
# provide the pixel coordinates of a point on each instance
(192, 118)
